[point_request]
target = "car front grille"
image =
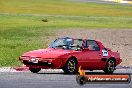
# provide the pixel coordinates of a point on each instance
(37, 64)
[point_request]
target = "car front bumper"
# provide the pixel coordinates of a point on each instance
(42, 63)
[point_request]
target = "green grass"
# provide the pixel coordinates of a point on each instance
(20, 41)
(59, 21)
(22, 28)
(61, 7)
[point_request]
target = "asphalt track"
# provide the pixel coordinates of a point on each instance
(53, 79)
(100, 2)
(96, 1)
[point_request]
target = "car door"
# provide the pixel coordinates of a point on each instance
(93, 54)
(81, 55)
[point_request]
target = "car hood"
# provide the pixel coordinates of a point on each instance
(46, 53)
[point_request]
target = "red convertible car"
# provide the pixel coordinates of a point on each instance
(68, 54)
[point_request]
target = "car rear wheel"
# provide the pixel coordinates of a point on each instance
(70, 66)
(34, 70)
(110, 66)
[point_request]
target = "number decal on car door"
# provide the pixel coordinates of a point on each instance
(105, 52)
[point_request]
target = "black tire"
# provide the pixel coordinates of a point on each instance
(34, 70)
(70, 66)
(110, 66)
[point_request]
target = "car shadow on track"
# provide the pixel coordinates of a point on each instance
(87, 73)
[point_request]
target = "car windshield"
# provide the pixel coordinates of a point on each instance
(67, 43)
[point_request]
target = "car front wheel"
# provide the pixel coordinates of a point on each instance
(70, 66)
(110, 67)
(34, 70)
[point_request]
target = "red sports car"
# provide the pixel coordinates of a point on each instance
(68, 54)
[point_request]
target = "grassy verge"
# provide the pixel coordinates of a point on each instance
(22, 28)
(63, 7)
